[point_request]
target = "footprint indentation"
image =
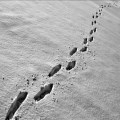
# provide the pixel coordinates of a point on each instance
(83, 49)
(95, 29)
(16, 104)
(95, 22)
(71, 65)
(55, 70)
(92, 23)
(96, 16)
(43, 92)
(73, 51)
(91, 32)
(91, 39)
(84, 40)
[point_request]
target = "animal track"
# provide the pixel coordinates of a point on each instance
(16, 104)
(91, 32)
(73, 51)
(92, 23)
(71, 65)
(91, 39)
(54, 70)
(95, 29)
(83, 49)
(43, 92)
(96, 16)
(85, 41)
(95, 22)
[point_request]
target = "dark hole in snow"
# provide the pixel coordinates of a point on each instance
(16, 104)
(83, 49)
(73, 51)
(54, 70)
(71, 65)
(43, 92)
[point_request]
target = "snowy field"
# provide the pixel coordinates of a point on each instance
(59, 60)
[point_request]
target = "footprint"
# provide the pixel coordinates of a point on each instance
(43, 92)
(71, 65)
(95, 22)
(104, 5)
(84, 40)
(73, 51)
(54, 70)
(16, 104)
(96, 16)
(91, 32)
(95, 29)
(83, 49)
(91, 39)
(101, 6)
(92, 23)
(93, 16)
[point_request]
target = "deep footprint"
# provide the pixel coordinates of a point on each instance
(73, 51)
(54, 70)
(92, 23)
(96, 16)
(91, 39)
(83, 49)
(91, 32)
(43, 92)
(71, 65)
(84, 40)
(16, 104)
(95, 29)
(95, 21)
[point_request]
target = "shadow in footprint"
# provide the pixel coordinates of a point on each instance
(73, 51)
(95, 22)
(91, 32)
(43, 92)
(96, 16)
(71, 65)
(16, 104)
(93, 16)
(84, 40)
(91, 39)
(104, 5)
(95, 29)
(84, 49)
(92, 23)
(54, 70)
